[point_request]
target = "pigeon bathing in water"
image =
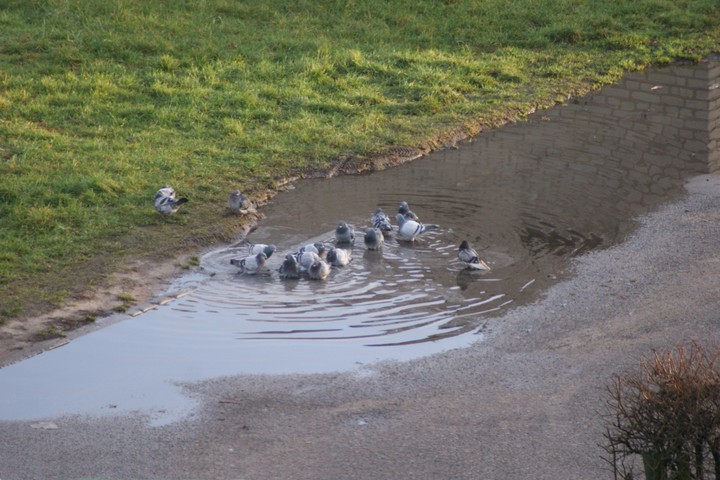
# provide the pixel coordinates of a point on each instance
(255, 248)
(306, 259)
(381, 221)
(410, 229)
(165, 201)
(406, 212)
(289, 267)
(319, 270)
(237, 202)
(373, 238)
(469, 257)
(338, 257)
(344, 233)
(316, 247)
(251, 264)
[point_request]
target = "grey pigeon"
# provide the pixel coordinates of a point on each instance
(306, 259)
(373, 238)
(165, 201)
(319, 270)
(344, 233)
(316, 247)
(251, 264)
(406, 212)
(237, 202)
(469, 257)
(289, 267)
(338, 257)
(255, 248)
(381, 221)
(410, 229)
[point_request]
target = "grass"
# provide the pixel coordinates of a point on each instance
(103, 101)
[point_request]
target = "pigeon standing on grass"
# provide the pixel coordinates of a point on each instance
(344, 233)
(410, 229)
(255, 248)
(319, 270)
(289, 268)
(406, 212)
(338, 257)
(469, 257)
(251, 264)
(381, 221)
(237, 202)
(373, 238)
(165, 201)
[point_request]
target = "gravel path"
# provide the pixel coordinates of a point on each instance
(521, 404)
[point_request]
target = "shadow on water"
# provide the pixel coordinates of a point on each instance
(528, 197)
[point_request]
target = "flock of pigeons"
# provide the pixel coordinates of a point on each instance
(315, 260)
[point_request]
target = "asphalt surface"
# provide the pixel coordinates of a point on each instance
(523, 403)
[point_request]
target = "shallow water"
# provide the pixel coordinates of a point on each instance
(529, 197)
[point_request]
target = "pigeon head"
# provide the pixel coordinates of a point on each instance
(320, 248)
(269, 250)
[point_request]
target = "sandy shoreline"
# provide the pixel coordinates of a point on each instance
(522, 403)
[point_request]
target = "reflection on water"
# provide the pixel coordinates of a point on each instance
(528, 197)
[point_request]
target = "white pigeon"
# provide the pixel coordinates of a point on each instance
(165, 201)
(344, 233)
(237, 202)
(306, 259)
(410, 229)
(338, 257)
(251, 264)
(406, 212)
(289, 267)
(255, 248)
(381, 221)
(319, 270)
(373, 238)
(469, 257)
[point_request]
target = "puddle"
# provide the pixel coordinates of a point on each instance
(528, 197)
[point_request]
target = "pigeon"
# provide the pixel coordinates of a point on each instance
(381, 221)
(251, 264)
(338, 257)
(289, 267)
(469, 257)
(319, 270)
(373, 238)
(316, 247)
(306, 259)
(237, 202)
(165, 201)
(406, 212)
(410, 229)
(344, 233)
(255, 248)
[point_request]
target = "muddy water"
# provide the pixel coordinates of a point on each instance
(529, 197)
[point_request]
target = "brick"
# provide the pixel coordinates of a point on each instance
(661, 78)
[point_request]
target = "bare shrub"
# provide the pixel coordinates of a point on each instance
(664, 420)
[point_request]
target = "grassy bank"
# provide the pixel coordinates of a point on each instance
(103, 101)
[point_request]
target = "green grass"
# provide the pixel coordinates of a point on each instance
(103, 101)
